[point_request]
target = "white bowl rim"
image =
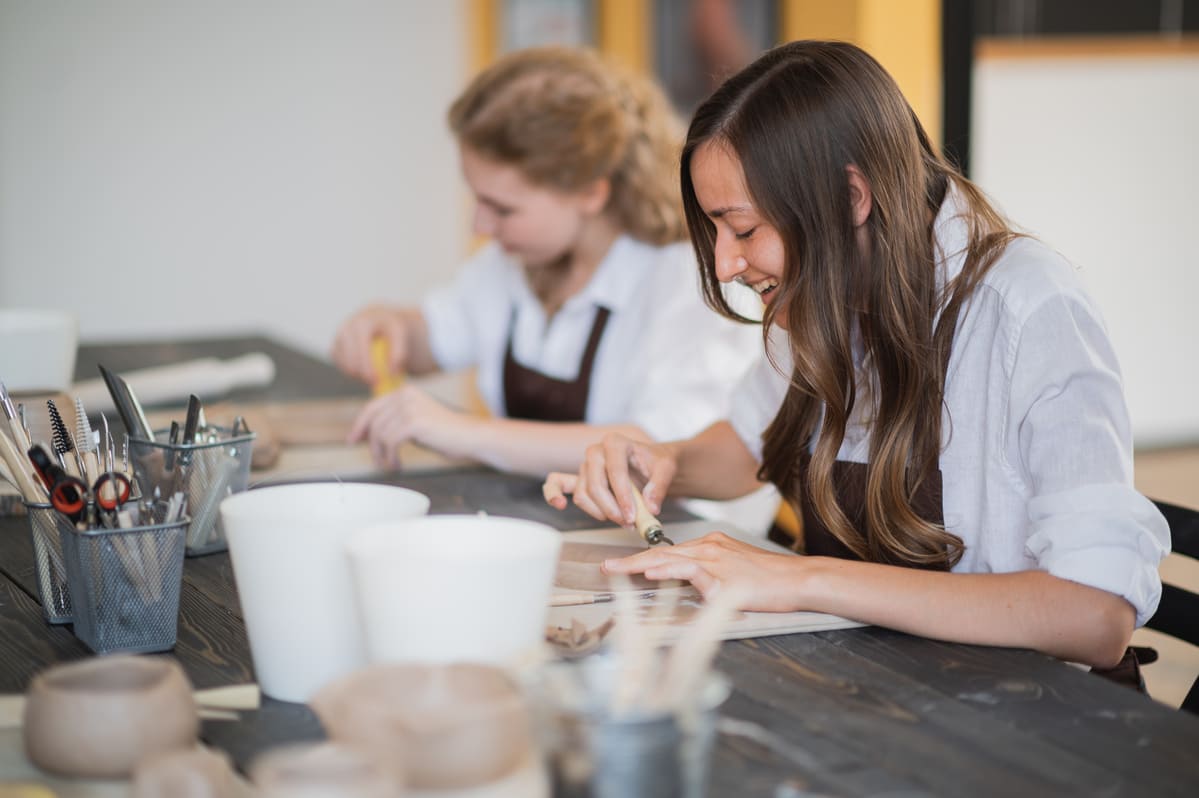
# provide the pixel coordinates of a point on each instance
(252, 503)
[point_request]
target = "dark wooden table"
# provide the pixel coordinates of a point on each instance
(857, 712)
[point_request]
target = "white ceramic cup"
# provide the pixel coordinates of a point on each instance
(39, 349)
(454, 588)
(287, 543)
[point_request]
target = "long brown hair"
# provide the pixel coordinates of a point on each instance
(796, 119)
(565, 118)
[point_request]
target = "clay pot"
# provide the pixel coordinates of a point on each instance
(321, 770)
(194, 773)
(99, 717)
(442, 726)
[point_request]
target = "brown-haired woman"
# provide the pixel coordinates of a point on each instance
(584, 314)
(941, 398)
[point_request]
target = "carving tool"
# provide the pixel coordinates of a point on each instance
(128, 408)
(385, 380)
(575, 599)
(647, 526)
(22, 470)
(15, 423)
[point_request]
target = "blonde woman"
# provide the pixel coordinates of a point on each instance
(583, 315)
(941, 399)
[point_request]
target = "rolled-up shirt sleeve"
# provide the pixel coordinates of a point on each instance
(452, 314)
(760, 393)
(1071, 436)
(690, 358)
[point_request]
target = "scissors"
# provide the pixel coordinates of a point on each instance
(70, 495)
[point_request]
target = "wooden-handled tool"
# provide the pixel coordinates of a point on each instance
(385, 381)
(647, 526)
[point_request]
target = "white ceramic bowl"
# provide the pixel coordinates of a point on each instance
(453, 588)
(39, 349)
(287, 543)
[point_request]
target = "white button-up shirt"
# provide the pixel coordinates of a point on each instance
(1037, 457)
(665, 363)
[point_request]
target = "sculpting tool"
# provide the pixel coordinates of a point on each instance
(128, 408)
(649, 527)
(385, 380)
(19, 435)
(575, 599)
(22, 470)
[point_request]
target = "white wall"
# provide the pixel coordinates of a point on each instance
(173, 167)
(1099, 156)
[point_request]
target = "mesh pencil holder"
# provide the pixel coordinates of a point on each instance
(45, 525)
(125, 585)
(205, 472)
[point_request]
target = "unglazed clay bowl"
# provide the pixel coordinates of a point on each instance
(192, 773)
(444, 726)
(99, 717)
(321, 770)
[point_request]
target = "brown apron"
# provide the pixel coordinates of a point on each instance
(531, 395)
(849, 483)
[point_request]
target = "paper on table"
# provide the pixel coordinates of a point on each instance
(749, 624)
(206, 377)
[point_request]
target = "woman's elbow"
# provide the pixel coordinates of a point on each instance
(1113, 628)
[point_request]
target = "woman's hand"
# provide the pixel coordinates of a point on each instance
(764, 581)
(410, 414)
(603, 488)
(352, 344)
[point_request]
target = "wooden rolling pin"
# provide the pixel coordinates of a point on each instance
(207, 377)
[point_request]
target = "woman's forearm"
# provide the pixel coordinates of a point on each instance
(1027, 609)
(533, 447)
(715, 464)
(420, 353)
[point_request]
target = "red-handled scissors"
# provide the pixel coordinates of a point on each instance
(70, 495)
(111, 490)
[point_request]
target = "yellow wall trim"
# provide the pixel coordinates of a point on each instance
(904, 35)
(624, 31)
(1086, 46)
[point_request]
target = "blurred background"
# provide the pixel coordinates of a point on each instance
(181, 169)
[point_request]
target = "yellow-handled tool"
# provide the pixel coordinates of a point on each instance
(385, 380)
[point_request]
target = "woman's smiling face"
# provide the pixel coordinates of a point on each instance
(747, 249)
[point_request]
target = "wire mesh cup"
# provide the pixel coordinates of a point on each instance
(45, 526)
(125, 583)
(593, 752)
(205, 472)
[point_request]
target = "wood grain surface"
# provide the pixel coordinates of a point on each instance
(852, 712)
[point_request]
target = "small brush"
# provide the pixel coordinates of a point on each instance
(85, 442)
(62, 440)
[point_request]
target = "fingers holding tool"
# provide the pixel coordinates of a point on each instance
(354, 348)
(604, 487)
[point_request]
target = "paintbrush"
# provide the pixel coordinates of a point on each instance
(574, 599)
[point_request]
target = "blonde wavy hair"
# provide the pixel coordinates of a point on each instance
(565, 119)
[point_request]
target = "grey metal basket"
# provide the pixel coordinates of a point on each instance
(206, 472)
(49, 568)
(125, 585)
